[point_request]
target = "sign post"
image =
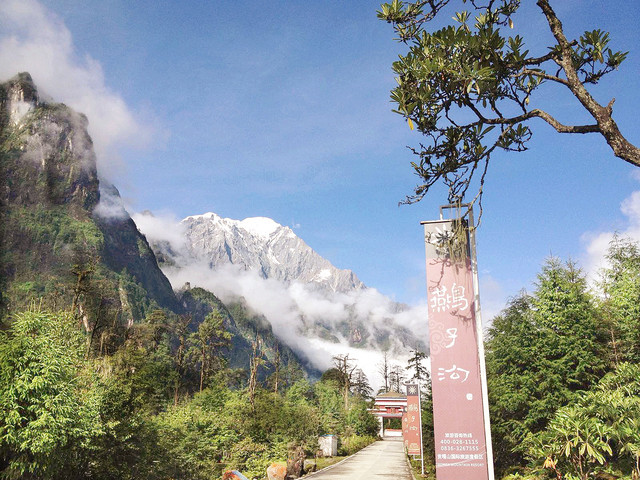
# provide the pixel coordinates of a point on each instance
(460, 407)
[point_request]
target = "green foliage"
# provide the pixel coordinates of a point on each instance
(209, 342)
(300, 392)
(620, 283)
(598, 433)
(541, 351)
(63, 415)
(360, 421)
(55, 226)
(428, 439)
(360, 385)
(331, 403)
(48, 421)
(581, 441)
(415, 366)
(470, 87)
(353, 443)
(197, 439)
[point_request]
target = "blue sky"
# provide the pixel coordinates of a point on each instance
(281, 109)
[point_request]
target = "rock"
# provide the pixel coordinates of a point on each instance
(310, 466)
(277, 472)
(295, 462)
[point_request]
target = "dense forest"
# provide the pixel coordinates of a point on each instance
(164, 405)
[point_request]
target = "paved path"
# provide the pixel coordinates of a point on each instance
(381, 460)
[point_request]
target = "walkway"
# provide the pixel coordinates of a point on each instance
(382, 459)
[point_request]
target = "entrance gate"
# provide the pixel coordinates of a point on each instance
(389, 405)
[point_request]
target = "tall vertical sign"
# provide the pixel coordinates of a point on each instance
(459, 406)
(413, 419)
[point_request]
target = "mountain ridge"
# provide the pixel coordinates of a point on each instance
(303, 295)
(261, 243)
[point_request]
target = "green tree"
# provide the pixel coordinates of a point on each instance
(415, 366)
(620, 285)
(331, 405)
(361, 421)
(198, 436)
(209, 341)
(48, 420)
(598, 433)
(541, 351)
(360, 385)
(472, 89)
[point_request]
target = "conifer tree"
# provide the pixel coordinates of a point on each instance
(541, 351)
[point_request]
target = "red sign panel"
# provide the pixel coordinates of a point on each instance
(412, 417)
(460, 444)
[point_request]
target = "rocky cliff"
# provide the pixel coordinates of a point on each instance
(51, 232)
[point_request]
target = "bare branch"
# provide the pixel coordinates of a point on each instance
(546, 76)
(559, 127)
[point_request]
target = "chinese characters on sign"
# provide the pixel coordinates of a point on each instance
(442, 299)
(455, 366)
(456, 374)
(413, 421)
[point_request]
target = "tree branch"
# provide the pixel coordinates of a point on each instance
(559, 127)
(546, 76)
(621, 147)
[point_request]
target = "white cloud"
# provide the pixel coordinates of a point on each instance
(597, 243)
(161, 227)
(111, 205)
(35, 40)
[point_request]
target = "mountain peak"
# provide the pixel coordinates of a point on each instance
(21, 96)
(23, 87)
(205, 216)
(261, 227)
(263, 245)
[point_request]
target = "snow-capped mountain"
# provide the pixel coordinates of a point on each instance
(263, 245)
(314, 307)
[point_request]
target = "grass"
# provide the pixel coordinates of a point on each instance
(416, 468)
